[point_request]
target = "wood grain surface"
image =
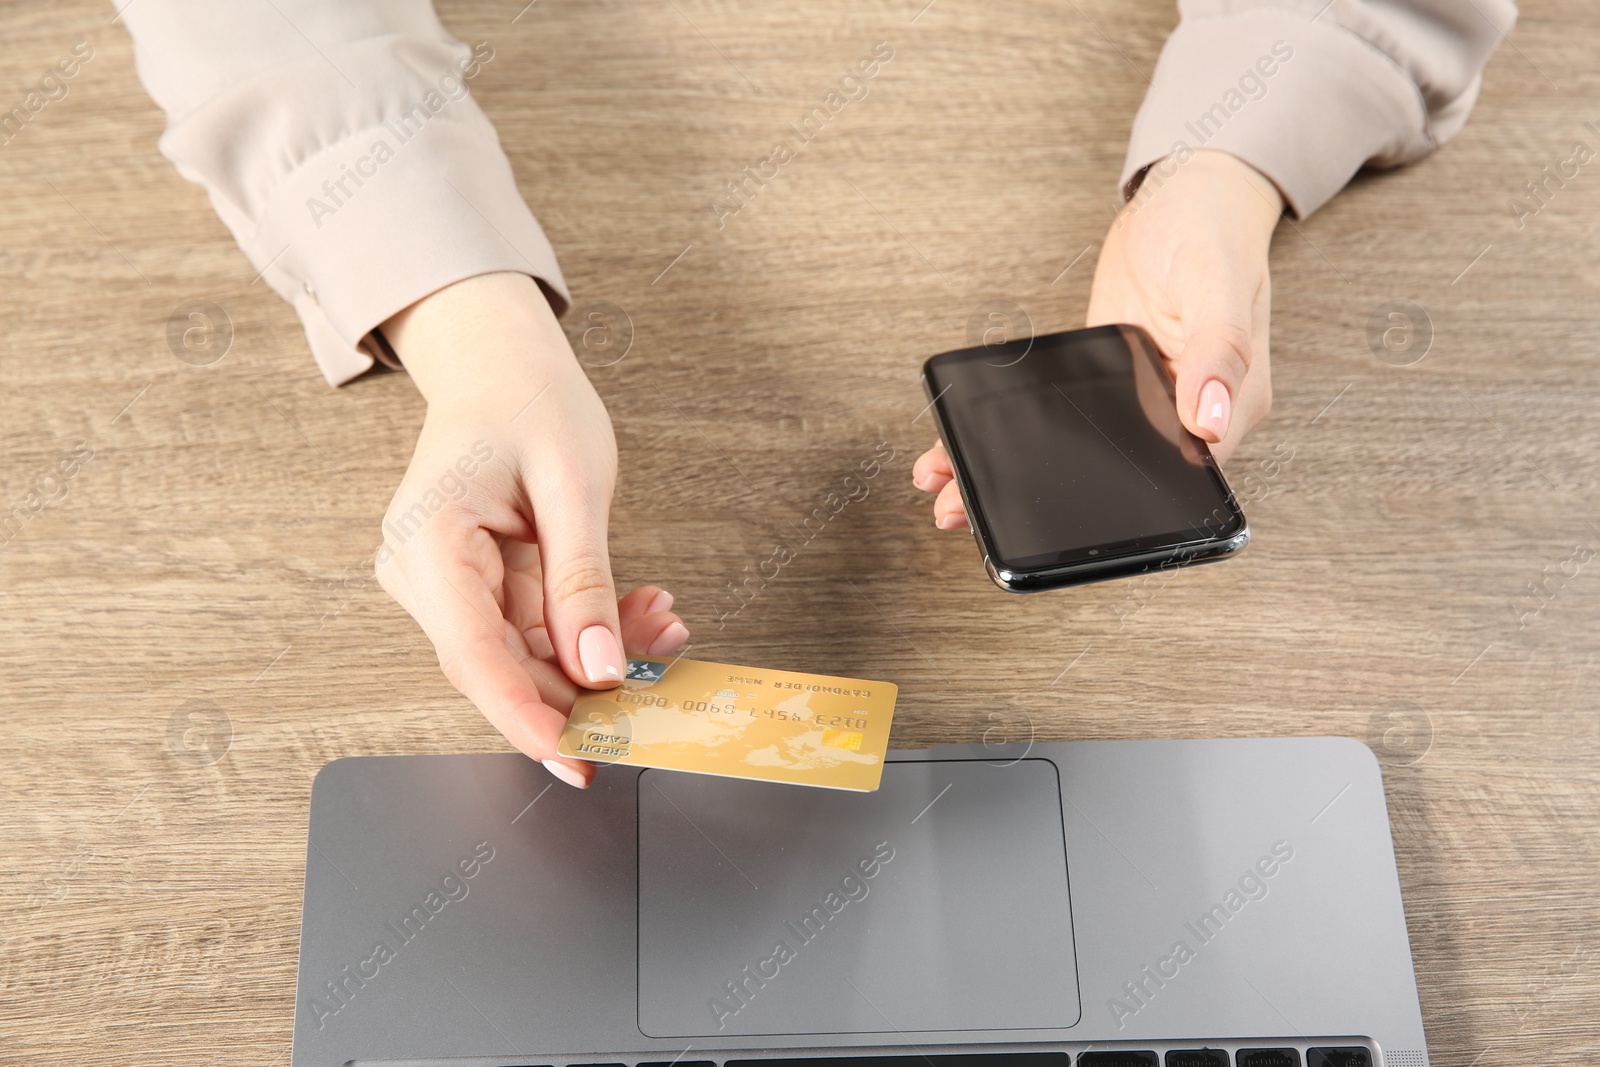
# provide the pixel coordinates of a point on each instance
(189, 633)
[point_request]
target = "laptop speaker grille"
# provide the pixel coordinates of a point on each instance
(1405, 1059)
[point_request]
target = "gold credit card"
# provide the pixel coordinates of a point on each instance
(738, 722)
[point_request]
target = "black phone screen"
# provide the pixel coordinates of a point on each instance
(1070, 448)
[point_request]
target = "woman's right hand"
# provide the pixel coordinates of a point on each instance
(495, 541)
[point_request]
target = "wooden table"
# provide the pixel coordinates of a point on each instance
(189, 634)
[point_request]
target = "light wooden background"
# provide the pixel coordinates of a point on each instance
(188, 635)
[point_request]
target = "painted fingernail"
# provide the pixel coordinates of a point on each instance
(599, 655)
(1215, 409)
(662, 602)
(669, 640)
(953, 521)
(565, 773)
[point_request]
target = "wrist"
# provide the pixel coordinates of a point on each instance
(1211, 180)
(1254, 195)
(483, 340)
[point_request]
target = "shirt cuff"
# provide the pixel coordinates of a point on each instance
(389, 215)
(1305, 102)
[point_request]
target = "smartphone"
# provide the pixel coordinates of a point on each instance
(1072, 462)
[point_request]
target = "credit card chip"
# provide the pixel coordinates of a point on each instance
(850, 739)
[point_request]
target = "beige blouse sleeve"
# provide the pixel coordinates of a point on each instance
(340, 143)
(1309, 91)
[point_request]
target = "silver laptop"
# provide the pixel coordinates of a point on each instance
(1103, 904)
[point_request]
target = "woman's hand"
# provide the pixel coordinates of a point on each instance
(1187, 260)
(495, 541)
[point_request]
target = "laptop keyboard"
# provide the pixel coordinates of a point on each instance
(1246, 1056)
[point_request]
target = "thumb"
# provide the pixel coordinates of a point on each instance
(580, 598)
(1210, 372)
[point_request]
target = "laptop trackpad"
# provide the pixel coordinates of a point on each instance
(938, 902)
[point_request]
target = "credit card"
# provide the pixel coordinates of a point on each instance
(737, 722)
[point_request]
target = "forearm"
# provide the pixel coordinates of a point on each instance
(314, 127)
(1309, 96)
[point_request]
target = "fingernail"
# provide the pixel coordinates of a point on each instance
(669, 640)
(599, 655)
(953, 521)
(662, 602)
(1215, 408)
(565, 773)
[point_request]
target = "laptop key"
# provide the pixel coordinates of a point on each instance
(947, 1059)
(1338, 1057)
(1120, 1058)
(1267, 1057)
(1197, 1057)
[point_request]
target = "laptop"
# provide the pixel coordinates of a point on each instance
(1183, 903)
